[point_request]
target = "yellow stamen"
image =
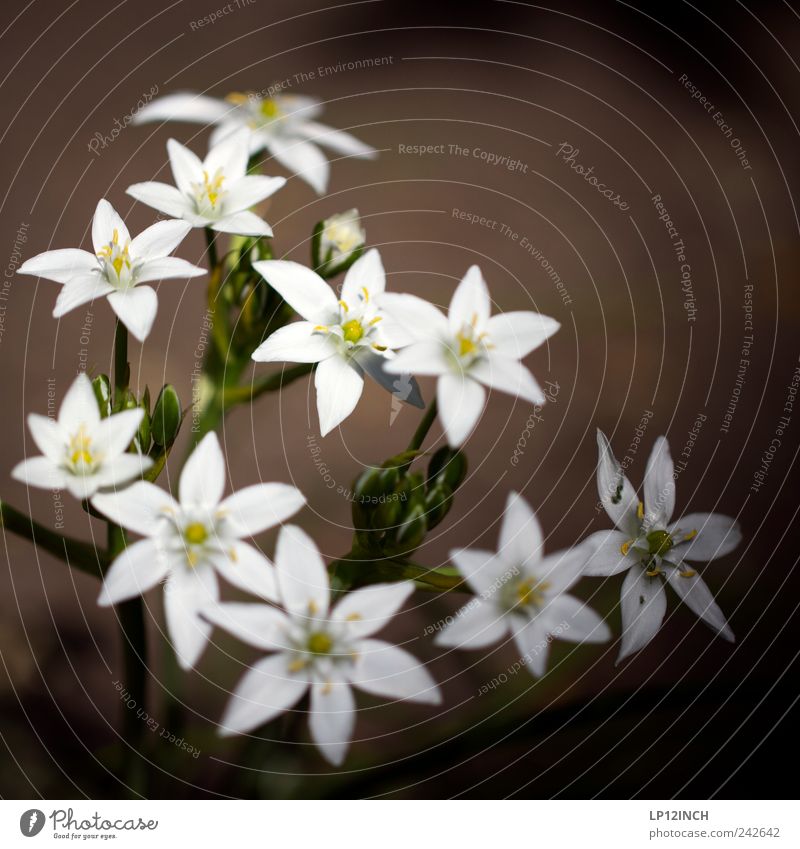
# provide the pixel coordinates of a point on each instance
(652, 573)
(626, 547)
(688, 573)
(690, 535)
(366, 294)
(297, 665)
(354, 617)
(326, 690)
(321, 328)
(375, 320)
(237, 98)
(192, 558)
(378, 347)
(343, 305)
(640, 511)
(313, 607)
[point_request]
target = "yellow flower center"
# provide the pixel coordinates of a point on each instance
(320, 643)
(353, 330)
(531, 593)
(659, 543)
(80, 454)
(466, 345)
(270, 109)
(195, 533)
(118, 257)
(213, 187)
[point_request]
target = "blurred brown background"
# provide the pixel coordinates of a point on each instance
(690, 715)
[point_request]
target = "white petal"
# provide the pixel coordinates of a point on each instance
(617, 495)
(369, 609)
(186, 593)
(516, 334)
(230, 155)
(187, 169)
(160, 239)
(365, 273)
(104, 224)
(255, 508)
(40, 472)
(403, 386)
(138, 507)
(339, 388)
(114, 434)
(336, 140)
(61, 265)
(248, 569)
(79, 406)
(257, 625)
(605, 555)
(266, 689)
(484, 571)
(183, 106)
(717, 535)
(302, 158)
(470, 304)
(136, 309)
(572, 620)
(166, 268)
(659, 484)
(50, 439)
(302, 576)
(521, 537)
(694, 593)
(533, 643)
(295, 343)
(643, 604)
(332, 719)
(304, 290)
(561, 569)
(507, 375)
(134, 571)
(385, 670)
(420, 318)
(202, 480)
(81, 290)
(116, 471)
(476, 625)
(82, 486)
(461, 403)
(242, 223)
(250, 190)
(422, 358)
(163, 197)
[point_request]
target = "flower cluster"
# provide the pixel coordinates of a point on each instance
(107, 447)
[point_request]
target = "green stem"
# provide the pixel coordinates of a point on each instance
(121, 373)
(424, 426)
(211, 244)
(80, 555)
(269, 383)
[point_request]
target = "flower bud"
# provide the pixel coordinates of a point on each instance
(337, 242)
(144, 428)
(367, 485)
(412, 530)
(102, 391)
(448, 466)
(166, 420)
(438, 502)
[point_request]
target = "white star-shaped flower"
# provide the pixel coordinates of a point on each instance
(283, 125)
(324, 650)
(346, 337)
(216, 192)
(467, 350)
(190, 540)
(82, 453)
(652, 549)
(117, 269)
(522, 594)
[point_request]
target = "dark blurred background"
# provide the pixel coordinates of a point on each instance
(690, 715)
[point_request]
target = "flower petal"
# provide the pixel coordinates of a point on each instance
(303, 159)
(617, 495)
(255, 508)
(138, 507)
(113, 435)
(461, 403)
(164, 198)
(484, 571)
(79, 406)
(50, 439)
(476, 625)
(420, 318)
(516, 334)
(257, 625)
(533, 642)
(717, 535)
(659, 485)
(695, 594)
(302, 576)
(295, 343)
(336, 140)
(230, 156)
(267, 689)
(332, 719)
(339, 387)
(385, 670)
(605, 555)
(422, 358)
(571, 619)
(247, 568)
(167, 268)
(134, 571)
(183, 106)
(136, 309)
(160, 239)
(506, 375)
(471, 304)
(40, 472)
(186, 593)
(304, 290)
(243, 223)
(81, 290)
(187, 169)
(250, 190)
(119, 470)
(365, 273)
(643, 604)
(521, 538)
(61, 265)
(369, 609)
(202, 481)
(105, 224)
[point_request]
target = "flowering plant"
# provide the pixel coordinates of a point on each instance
(109, 446)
